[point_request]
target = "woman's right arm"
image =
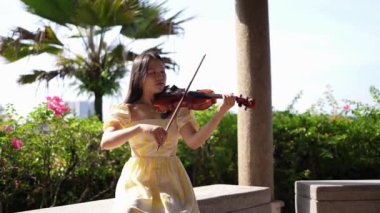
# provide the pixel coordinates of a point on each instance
(114, 137)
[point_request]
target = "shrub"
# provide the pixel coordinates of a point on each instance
(50, 158)
(320, 145)
(216, 160)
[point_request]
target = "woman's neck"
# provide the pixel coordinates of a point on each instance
(146, 99)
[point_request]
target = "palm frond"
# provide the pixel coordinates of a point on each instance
(103, 13)
(47, 35)
(151, 24)
(13, 50)
(42, 75)
(58, 11)
(31, 78)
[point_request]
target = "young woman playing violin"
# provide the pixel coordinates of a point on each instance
(154, 180)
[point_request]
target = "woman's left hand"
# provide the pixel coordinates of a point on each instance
(228, 102)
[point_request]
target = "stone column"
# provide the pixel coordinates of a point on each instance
(255, 140)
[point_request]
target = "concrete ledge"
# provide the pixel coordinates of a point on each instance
(227, 198)
(211, 198)
(99, 206)
(306, 205)
(335, 196)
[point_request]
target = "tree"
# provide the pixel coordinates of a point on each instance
(98, 69)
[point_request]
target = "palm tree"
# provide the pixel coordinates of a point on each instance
(100, 67)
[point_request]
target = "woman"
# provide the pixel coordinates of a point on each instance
(154, 180)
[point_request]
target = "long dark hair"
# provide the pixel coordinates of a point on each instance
(138, 73)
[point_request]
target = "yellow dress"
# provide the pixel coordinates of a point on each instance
(153, 181)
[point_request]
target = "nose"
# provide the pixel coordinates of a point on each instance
(160, 75)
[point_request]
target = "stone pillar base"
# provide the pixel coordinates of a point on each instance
(276, 206)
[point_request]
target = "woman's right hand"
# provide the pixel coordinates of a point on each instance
(158, 132)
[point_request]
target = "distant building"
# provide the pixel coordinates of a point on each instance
(82, 108)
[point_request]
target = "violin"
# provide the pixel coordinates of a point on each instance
(201, 99)
(194, 100)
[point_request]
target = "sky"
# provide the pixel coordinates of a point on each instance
(315, 45)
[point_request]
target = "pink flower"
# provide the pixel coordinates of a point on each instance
(57, 99)
(16, 143)
(7, 128)
(346, 107)
(54, 98)
(57, 105)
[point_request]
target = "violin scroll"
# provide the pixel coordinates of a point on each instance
(247, 102)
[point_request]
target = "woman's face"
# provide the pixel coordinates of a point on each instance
(155, 79)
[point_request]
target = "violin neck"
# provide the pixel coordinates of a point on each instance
(213, 95)
(205, 95)
(218, 96)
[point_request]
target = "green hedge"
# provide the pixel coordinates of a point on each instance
(60, 162)
(343, 143)
(216, 161)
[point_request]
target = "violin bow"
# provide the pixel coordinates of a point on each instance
(182, 98)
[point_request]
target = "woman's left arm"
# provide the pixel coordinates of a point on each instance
(194, 139)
